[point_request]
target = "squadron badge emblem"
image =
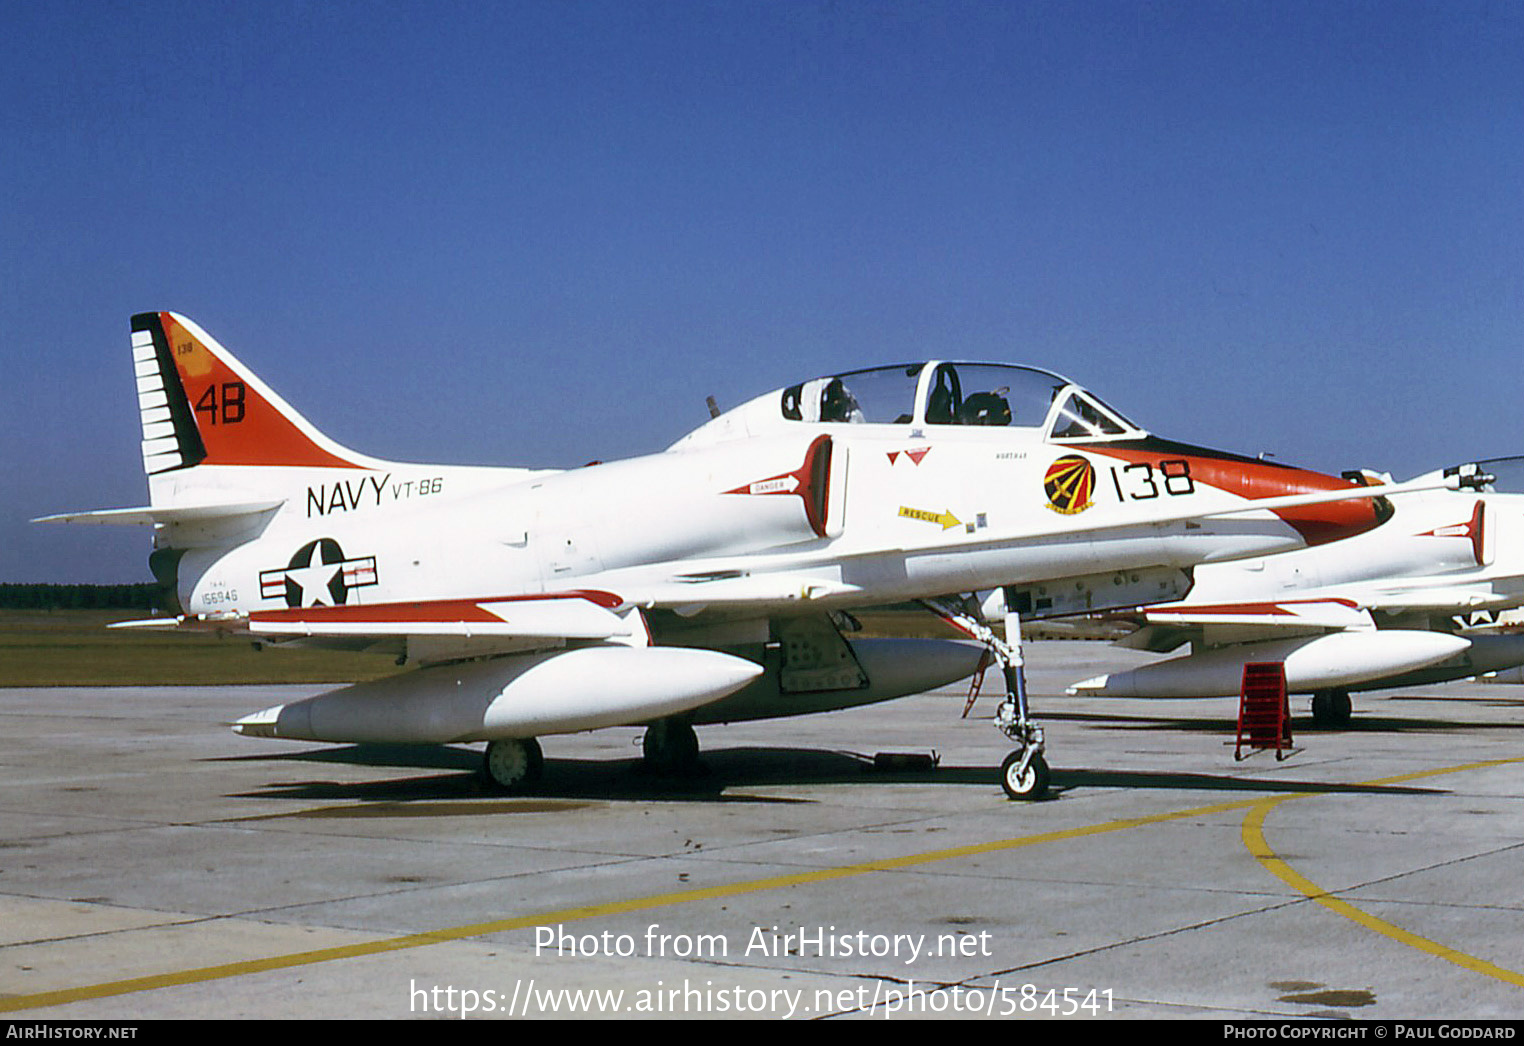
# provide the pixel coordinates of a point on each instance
(1069, 484)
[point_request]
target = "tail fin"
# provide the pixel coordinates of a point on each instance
(200, 406)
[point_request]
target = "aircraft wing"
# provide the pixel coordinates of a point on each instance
(1447, 599)
(1349, 608)
(447, 629)
(1324, 644)
(1301, 614)
(1166, 627)
(1327, 641)
(562, 615)
(1354, 608)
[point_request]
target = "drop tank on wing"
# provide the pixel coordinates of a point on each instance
(518, 696)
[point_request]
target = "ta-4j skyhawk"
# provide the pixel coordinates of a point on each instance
(1393, 607)
(706, 583)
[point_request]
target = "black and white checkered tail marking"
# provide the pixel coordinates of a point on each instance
(170, 437)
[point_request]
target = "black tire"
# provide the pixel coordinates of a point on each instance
(1032, 785)
(670, 747)
(1331, 708)
(514, 764)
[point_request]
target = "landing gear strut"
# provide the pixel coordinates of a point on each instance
(513, 764)
(1024, 774)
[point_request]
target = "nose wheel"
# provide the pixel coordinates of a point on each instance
(1024, 775)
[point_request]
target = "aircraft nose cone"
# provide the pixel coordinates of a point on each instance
(1336, 520)
(1320, 523)
(1256, 479)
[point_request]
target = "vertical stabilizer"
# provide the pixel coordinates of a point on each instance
(200, 406)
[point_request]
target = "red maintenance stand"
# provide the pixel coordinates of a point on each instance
(1264, 716)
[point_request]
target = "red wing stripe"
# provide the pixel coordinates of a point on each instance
(1255, 609)
(439, 610)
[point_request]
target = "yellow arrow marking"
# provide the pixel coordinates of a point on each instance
(947, 519)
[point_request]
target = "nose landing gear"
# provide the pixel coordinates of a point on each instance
(1024, 773)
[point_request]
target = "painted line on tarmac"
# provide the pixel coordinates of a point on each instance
(1254, 840)
(244, 968)
(59, 997)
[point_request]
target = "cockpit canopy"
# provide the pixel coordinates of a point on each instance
(920, 395)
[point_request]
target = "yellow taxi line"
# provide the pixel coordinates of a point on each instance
(1252, 834)
(391, 944)
(1254, 840)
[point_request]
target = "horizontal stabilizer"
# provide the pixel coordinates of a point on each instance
(167, 514)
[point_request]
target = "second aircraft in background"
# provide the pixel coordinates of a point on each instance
(1385, 609)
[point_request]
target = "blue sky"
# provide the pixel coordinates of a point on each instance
(542, 233)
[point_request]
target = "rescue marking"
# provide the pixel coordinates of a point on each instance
(946, 519)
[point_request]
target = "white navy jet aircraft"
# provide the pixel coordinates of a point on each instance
(1388, 608)
(701, 584)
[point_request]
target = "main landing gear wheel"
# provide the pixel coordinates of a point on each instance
(514, 764)
(1029, 781)
(1331, 708)
(671, 747)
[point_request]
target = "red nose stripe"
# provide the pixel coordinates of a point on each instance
(1253, 479)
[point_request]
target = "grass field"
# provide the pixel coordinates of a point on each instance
(75, 648)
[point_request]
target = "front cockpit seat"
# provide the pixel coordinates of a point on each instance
(984, 408)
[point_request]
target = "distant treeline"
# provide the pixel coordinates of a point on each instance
(79, 597)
